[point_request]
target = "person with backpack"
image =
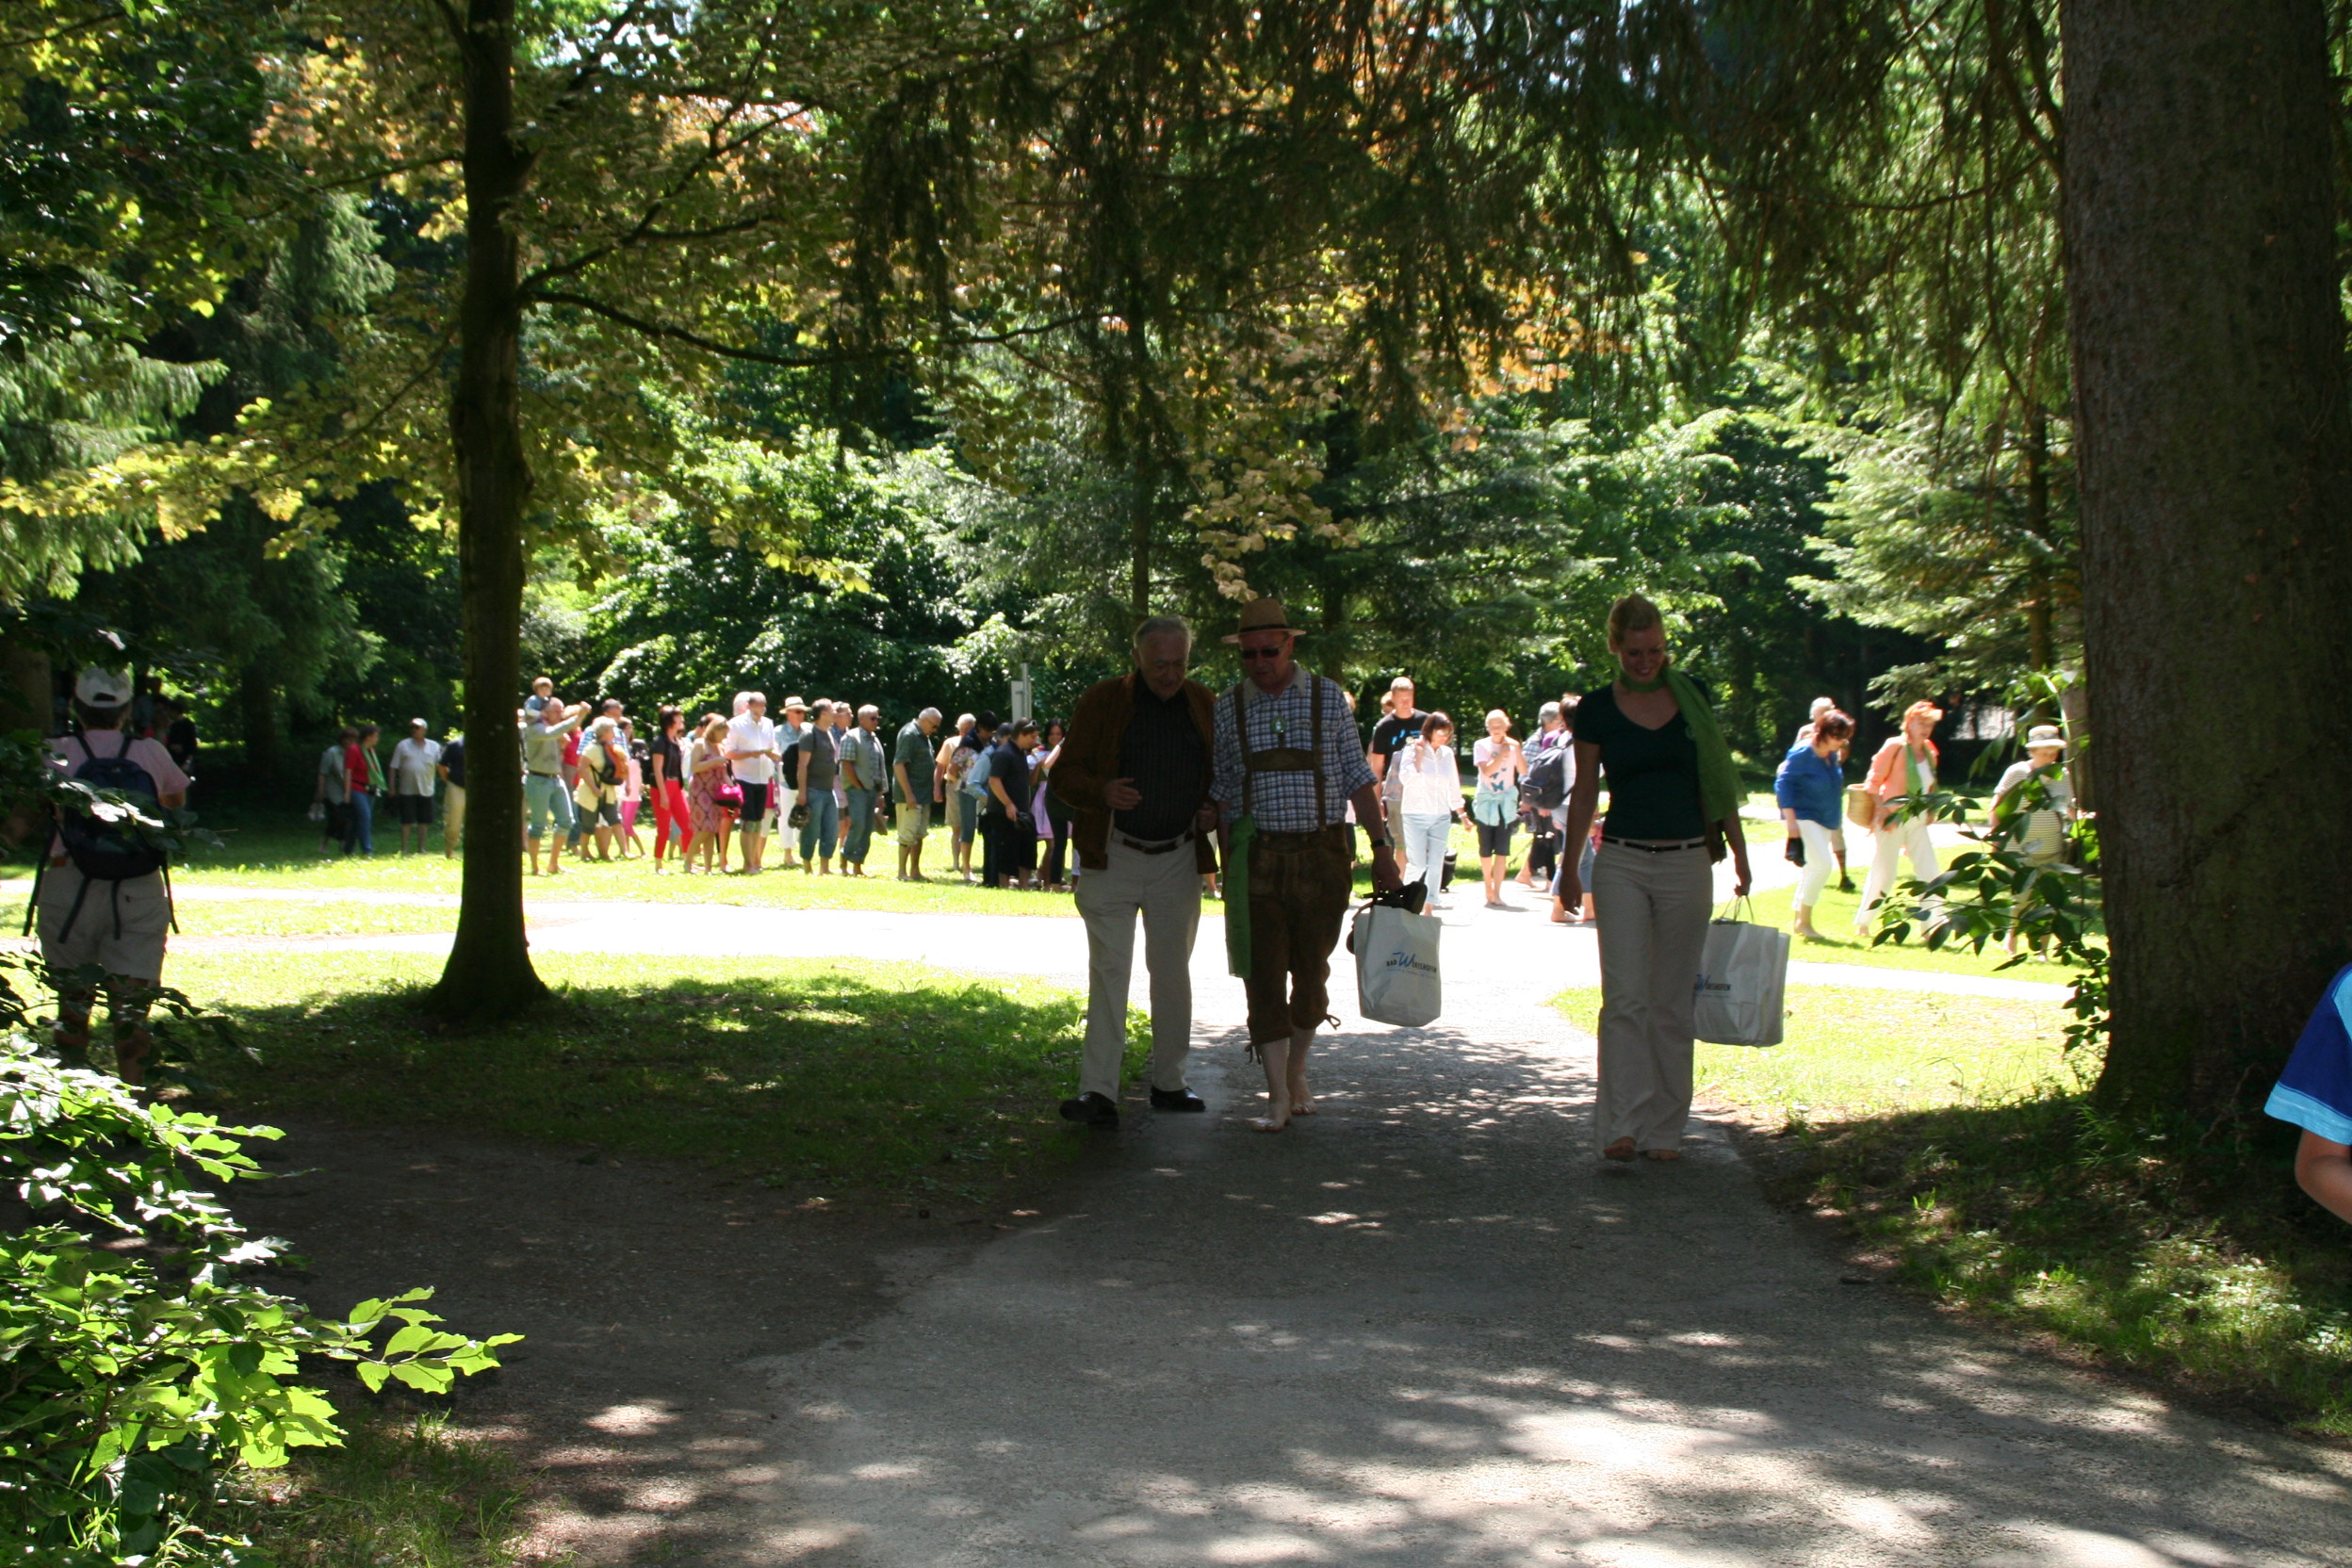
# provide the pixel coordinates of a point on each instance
(102, 898)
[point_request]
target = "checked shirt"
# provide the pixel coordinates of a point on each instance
(1285, 802)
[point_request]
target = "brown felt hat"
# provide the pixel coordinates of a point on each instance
(1264, 616)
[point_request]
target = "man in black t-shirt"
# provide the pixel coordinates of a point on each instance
(1389, 737)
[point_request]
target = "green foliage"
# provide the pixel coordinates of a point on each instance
(2177, 1250)
(1996, 891)
(140, 1365)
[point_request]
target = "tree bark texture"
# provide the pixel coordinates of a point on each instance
(2215, 460)
(489, 974)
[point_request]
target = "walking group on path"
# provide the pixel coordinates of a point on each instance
(1162, 788)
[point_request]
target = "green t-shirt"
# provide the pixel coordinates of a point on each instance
(912, 751)
(1652, 775)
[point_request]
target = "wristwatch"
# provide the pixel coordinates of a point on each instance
(1380, 843)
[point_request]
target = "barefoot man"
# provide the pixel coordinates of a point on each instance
(1288, 765)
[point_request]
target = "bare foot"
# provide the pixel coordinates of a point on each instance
(1271, 1123)
(1621, 1150)
(1662, 1156)
(1300, 1104)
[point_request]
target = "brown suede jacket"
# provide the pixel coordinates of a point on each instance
(1089, 760)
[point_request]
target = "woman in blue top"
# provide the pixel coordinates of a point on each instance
(2315, 1094)
(1811, 789)
(1673, 808)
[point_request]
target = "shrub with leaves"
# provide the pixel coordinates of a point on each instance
(138, 1361)
(1994, 888)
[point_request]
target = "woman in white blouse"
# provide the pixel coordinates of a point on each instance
(1431, 803)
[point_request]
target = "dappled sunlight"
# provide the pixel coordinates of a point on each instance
(1430, 1328)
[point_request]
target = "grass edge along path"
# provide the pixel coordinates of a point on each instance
(403, 1488)
(842, 1081)
(2178, 1253)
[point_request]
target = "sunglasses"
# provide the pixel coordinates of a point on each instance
(1275, 652)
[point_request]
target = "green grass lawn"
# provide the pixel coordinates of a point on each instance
(1834, 919)
(853, 1080)
(1958, 1144)
(1868, 1053)
(401, 1491)
(359, 915)
(272, 854)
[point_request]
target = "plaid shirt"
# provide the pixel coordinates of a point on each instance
(1285, 802)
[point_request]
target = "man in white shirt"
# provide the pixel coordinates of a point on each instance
(752, 757)
(414, 776)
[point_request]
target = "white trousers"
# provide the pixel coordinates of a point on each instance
(1890, 844)
(1652, 914)
(1165, 890)
(1821, 859)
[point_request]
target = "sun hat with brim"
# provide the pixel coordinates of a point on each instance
(1264, 616)
(2045, 735)
(101, 688)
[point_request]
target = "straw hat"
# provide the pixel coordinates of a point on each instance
(2045, 735)
(1264, 616)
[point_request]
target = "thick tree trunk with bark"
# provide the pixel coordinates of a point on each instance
(489, 974)
(2215, 459)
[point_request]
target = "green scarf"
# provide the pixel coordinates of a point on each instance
(1237, 895)
(1718, 781)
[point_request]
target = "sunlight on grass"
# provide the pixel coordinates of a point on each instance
(1866, 1052)
(412, 1493)
(835, 1078)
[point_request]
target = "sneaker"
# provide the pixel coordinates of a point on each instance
(1091, 1110)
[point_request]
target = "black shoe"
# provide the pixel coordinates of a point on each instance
(1091, 1110)
(1177, 1100)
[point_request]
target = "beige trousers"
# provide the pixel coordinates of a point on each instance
(1165, 890)
(1652, 922)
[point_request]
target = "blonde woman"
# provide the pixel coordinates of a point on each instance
(1904, 768)
(1501, 765)
(1430, 780)
(1674, 809)
(711, 796)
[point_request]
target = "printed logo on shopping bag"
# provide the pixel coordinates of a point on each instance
(1405, 958)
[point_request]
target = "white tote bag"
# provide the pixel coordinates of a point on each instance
(1396, 980)
(1742, 984)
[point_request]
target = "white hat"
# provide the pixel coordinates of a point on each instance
(2044, 735)
(99, 688)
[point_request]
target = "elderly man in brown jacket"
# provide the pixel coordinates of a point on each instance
(1135, 773)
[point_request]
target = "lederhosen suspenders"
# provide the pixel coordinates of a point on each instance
(1284, 758)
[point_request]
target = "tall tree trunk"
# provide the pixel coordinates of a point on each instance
(489, 974)
(2215, 457)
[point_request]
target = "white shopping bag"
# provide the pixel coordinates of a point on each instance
(1396, 978)
(1742, 984)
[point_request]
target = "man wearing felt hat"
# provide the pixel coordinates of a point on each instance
(1286, 764)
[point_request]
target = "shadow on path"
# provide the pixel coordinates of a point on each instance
(1427, 1327)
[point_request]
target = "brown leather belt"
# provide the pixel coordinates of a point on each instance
(1142, 848)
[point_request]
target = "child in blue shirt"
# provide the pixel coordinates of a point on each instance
(2315, 1094)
